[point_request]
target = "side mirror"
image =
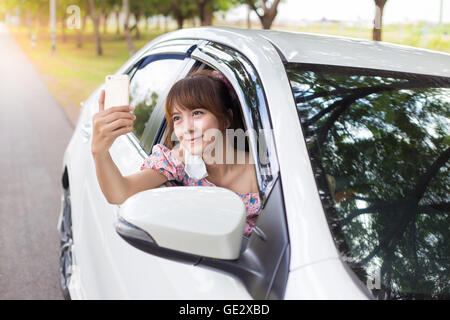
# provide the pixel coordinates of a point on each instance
(184, 223)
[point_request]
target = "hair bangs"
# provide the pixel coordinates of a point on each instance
(193, 93)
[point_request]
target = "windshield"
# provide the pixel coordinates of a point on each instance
(379, 148)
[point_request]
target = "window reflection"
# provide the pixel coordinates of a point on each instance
(147, 85)
(379, 146)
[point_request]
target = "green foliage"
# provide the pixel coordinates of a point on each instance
(142, 112)
(379, 147)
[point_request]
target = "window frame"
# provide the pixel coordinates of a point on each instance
(351, 70)
(161, 51)
(263, 263)
(255, 113)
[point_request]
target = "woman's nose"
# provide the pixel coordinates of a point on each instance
(188, 125)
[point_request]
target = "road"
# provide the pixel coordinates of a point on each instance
(34, 132)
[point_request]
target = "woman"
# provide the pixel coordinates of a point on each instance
(196, 106)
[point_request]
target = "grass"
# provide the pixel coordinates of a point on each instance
(72, 73)
(415, 35)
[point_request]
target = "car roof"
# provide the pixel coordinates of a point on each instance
(298, 47)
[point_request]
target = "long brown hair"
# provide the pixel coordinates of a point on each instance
(202, 89)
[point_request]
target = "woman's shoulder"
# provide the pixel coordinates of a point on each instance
(178, 153)
(161, 148)
(163, 160)
(162, 153)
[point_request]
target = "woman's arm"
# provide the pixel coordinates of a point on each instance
(118, 188)
(107, 126)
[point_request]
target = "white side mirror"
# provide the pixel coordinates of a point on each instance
(199, 221)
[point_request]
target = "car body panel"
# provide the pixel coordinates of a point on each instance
(306, 226)
(315, 268)
(302, 47)
(105, 266)
(324, 280)
(315, 49)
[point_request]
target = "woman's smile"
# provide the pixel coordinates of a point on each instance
(192, 126)
(195, 140)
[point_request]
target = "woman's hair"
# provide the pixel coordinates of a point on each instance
(202, 89)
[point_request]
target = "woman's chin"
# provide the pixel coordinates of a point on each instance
(194, 149)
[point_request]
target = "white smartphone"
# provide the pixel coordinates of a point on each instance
(117, 88)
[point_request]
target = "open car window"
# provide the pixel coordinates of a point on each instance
(151, 80)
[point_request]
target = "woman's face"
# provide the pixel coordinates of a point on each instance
(190, 127)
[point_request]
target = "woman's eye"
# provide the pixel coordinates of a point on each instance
(197, 112)
(176, 118)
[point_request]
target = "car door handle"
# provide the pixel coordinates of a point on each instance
(86, 129)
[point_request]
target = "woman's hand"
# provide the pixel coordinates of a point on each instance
(109, 124)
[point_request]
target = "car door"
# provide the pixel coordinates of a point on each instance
(106, 264)
(263, 265)
(262, 269)
(142, 275)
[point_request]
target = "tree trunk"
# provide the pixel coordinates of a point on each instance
(105, 23)
(180, 21)
(269, 13)
(62, 10)
(95, 20)
(208, 16)
(268, 17)
(166, 24)
(117, 22)
(266, 21)
(126, 30)
(158, 22)
(378, 22)
(63, 28)
(79, 39)
(205, 12)
(104, 16)
(83, 28)
(138, 32)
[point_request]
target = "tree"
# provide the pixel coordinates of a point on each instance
(379, 6)
(93, 4)
(62, 13)
(126, 29)
(108, 7)
(84, 8)
(140, 9)
(33, 10)
(163, 8)
(206, 9)
(265, 13)
(181, 10)
(116, 8)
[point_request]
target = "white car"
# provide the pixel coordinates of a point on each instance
(352, 162)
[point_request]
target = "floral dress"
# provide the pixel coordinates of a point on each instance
(164, 161)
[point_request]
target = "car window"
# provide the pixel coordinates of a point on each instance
(147, 86)
(248, 87)
(379, 148)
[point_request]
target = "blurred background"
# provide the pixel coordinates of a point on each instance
(54, 53)
(88, 39)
